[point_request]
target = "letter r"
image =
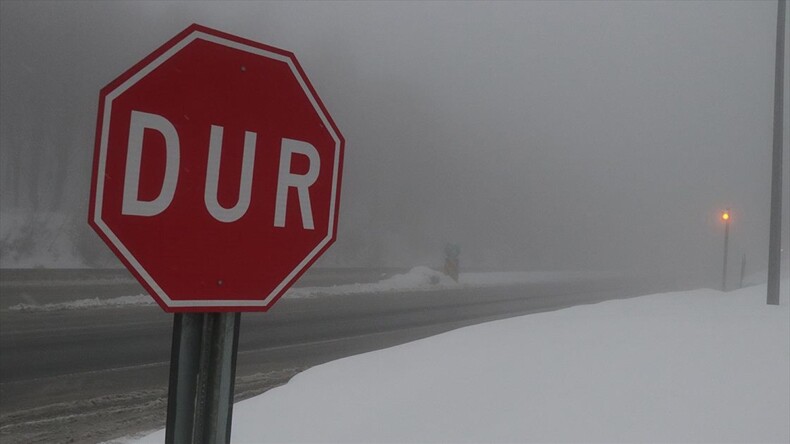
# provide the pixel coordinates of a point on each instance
(302, 182)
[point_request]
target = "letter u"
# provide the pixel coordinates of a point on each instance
(219, 212)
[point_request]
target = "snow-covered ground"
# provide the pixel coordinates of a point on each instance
(696, 366)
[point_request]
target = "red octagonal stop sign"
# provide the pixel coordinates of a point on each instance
(216, 175)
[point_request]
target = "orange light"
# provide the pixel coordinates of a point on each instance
(725, 216)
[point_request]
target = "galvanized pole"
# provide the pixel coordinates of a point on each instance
(726, 241)
(184, 359)
(775, 235)
(214, 403)
(743, 269)
(202, 374)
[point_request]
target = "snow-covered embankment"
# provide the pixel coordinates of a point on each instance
(679, 367)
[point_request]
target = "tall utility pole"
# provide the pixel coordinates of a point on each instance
(726, 218)
(775, 236)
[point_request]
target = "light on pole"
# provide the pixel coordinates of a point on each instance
(725, 217)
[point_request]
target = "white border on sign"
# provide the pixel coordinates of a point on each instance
(112, 95)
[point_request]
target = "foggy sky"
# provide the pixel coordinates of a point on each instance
(537, 135)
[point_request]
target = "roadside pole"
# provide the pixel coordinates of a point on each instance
(202, 374)
(775, 231)
(743, 269)
(184, 360)
(726, 218)
(214, 400)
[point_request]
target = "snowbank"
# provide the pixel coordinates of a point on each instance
(427, 279)
(80, 304)
(416, 279)
(677, 367)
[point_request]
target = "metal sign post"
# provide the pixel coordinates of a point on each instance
(202, 374)
(726, 218)
(184, 360)
(775, 229)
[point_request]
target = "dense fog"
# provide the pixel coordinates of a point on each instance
(535, 135)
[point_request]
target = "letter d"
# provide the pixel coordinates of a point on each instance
(132, 205)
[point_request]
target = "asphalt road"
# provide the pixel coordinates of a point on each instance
(93, 375)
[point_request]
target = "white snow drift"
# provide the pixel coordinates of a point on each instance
(698, 366)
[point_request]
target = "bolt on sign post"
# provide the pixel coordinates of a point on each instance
(216, 181)
(725, 217)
